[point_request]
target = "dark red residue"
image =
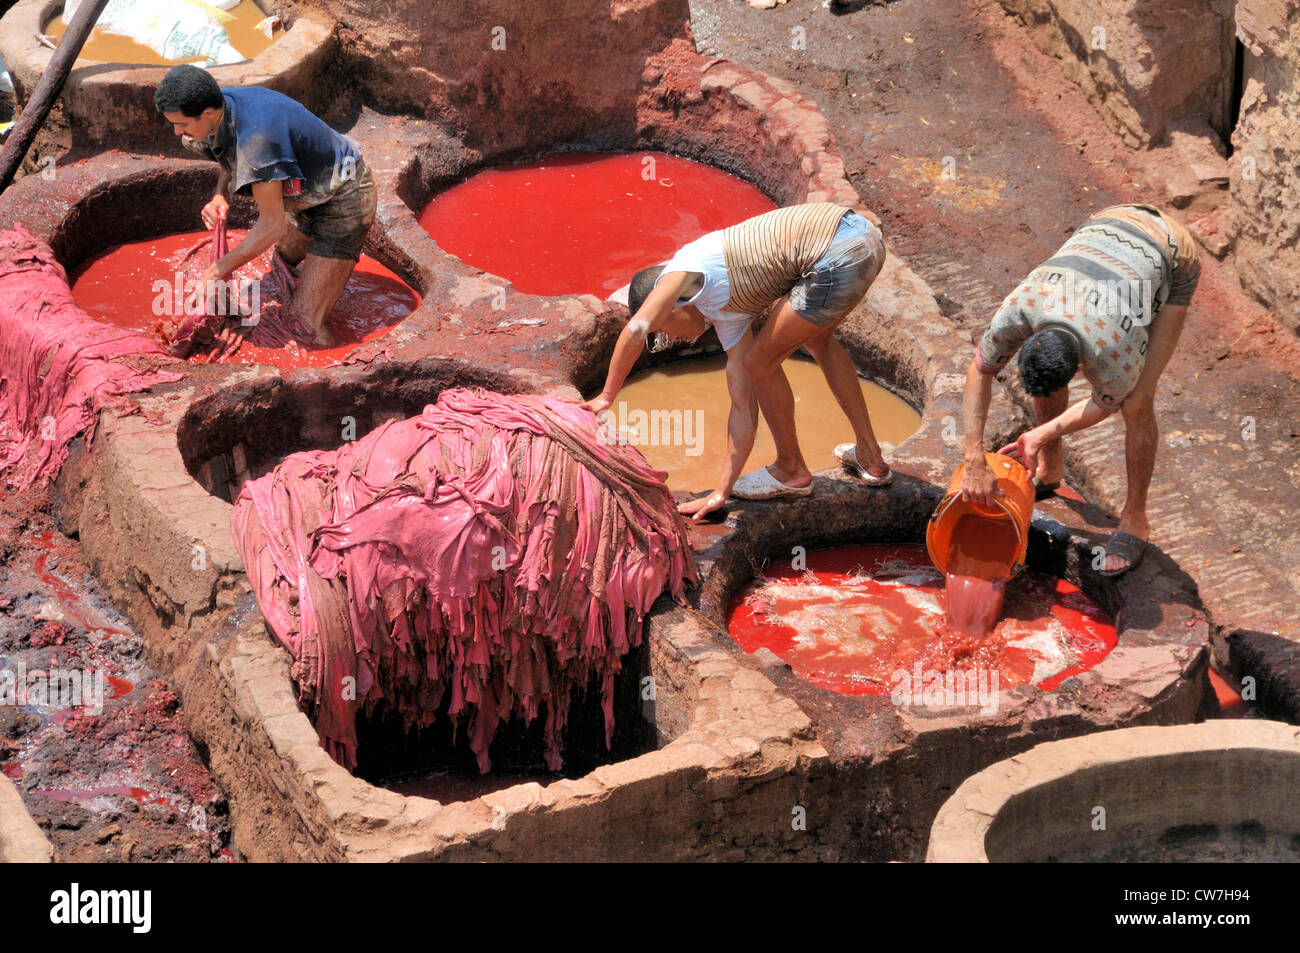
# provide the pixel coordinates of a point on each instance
(118, 687)
(68, 598)
(139, 795)
(574, 223)
(118, 287)
(855, 632)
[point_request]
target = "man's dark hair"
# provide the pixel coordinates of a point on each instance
(642, 284)
(189, 90)
(1048, 360)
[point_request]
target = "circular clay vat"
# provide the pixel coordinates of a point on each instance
(899, 744)
(676, 412)
(576, 222)
(246, 428)
(1210, 792)
(864, 620)
(110, 105)
(138, 286)
(125, 233)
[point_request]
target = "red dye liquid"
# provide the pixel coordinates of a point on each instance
(68, 598)
(859, 616)
(979, 563)
(118, 287)
(974, 604)
(574, 223)
(139, 795)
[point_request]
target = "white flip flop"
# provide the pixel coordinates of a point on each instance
(761, 485)
(847, 454)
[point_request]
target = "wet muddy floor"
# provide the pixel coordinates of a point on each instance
(92, 738)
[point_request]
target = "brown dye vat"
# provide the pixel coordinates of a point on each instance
(686, 407)
(105, 47)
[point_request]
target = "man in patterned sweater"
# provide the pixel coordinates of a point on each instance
(811, 264)
(1111, 302)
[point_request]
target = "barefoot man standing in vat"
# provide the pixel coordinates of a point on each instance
(314, 193)
(1111, 302)
(814, 263)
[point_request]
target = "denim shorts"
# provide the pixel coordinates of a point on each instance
(841, 277)
(337, 227)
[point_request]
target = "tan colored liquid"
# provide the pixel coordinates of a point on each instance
(686, 408)
(105, 47)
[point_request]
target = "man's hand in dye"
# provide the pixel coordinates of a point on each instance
(1026, 450)
(227, 340)
(598, 404)
(698, 509)
(215, 211)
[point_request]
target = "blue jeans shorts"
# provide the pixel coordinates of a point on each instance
(841, 277)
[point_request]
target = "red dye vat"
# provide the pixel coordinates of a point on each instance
(856, 619)
(118, 287)
(574, 223)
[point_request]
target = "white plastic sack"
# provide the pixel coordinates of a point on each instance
(174, 29)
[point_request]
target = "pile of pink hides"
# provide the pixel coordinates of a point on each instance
(493, 547)
(58, 366)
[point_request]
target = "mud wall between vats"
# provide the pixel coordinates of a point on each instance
(1148, 66)
(1263, 217)
(502, 75)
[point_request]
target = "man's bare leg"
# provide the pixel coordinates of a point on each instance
(320, 282)
(784, 332)
(293, 247)
(842, 377)
(1141, 434)
(1051, 461)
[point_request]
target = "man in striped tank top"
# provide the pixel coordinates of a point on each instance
(814, 263)
(1111, 302)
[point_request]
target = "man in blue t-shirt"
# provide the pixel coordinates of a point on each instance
(314, 193)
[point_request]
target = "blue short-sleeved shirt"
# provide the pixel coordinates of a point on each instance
(266, 136)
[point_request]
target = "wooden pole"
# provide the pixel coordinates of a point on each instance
(47, 90)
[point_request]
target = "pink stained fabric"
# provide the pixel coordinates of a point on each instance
(58, 366)
(493, 547)
(265, 316)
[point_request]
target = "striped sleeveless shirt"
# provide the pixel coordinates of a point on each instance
(767, 254)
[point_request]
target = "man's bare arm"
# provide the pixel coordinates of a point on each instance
(270, 228)
(1080, 416)
(742, 425)
(631, 340)
(978, 484)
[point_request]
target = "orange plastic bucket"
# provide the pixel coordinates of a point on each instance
(1007, 524)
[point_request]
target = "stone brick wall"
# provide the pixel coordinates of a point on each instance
(1263, 217)
(1146, 65)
